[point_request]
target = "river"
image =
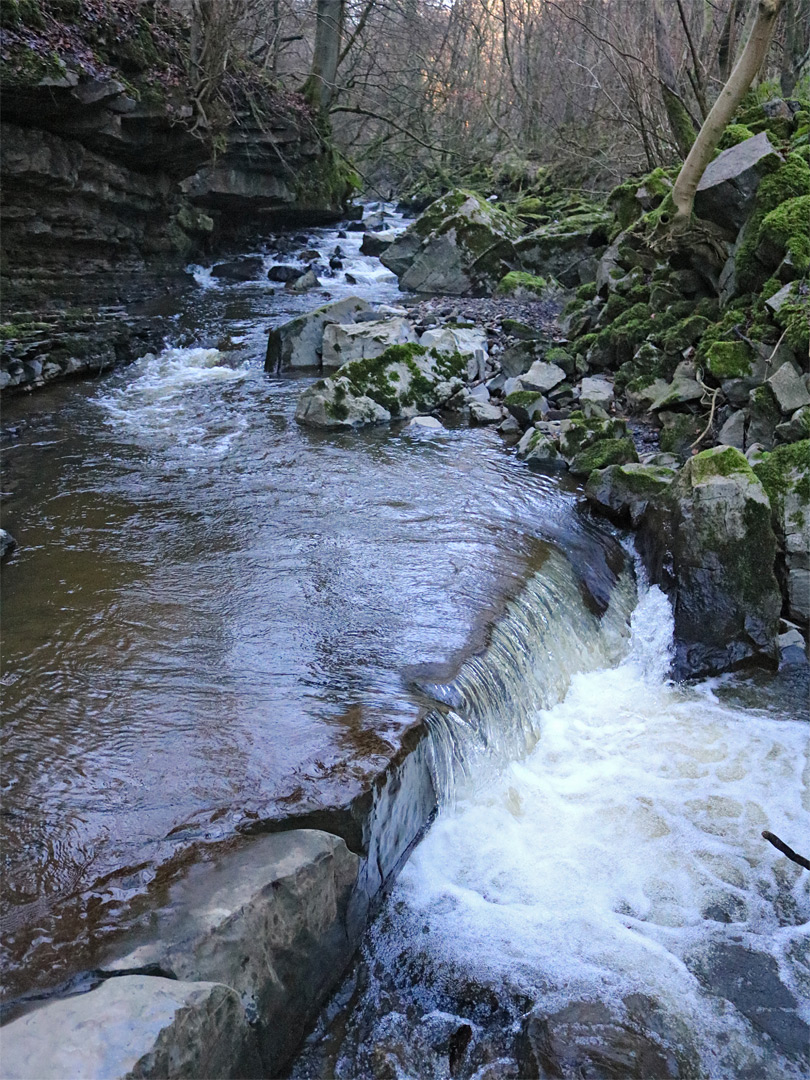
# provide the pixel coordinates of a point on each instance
(217, 620)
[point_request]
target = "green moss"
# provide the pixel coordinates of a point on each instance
(624, 201)
(794, 318)
(522, 398)
(718, 461)
(520, 330)
(679, 433)
(734, 134)
(790, 182)
(787, 230)
(684, 334)
(517, 281)
(729, 359)
(774, 471)
(602, 453)
(586, 291)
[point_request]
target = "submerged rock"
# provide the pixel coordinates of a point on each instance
(245, 268)
(460, 246)
(7, 543)
(403, 381)
(708, 541)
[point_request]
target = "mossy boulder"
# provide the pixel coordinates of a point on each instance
(522, 286)
(639, 195)
(460, 246)
(579, 432)
(404, 381)
(709, 542)
(785, 231)
(601, 454)
(623, 492)
(526, 406)
(785, 475)
(567, 250)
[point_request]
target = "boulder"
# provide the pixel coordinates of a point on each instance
(526, 406)
(482, 412)
(308, 280)
(596, 391)
(7, 543)
(403, 381)
(634, 1039)
(538, 449)
(542, 376)
(522, 286)
(726, 192)
(376, 243)
(283, 274)
(276, 922)
(424, 423)
(795, 429)
(602, 453)
(623, 492)
(345, 342)
(134, 1026)
(245, 268)
(567, 250)
(468, 341)
(460, 246)
(789, 389)
(708, 541)
(518, 358)
(785, 475)
(298, 343)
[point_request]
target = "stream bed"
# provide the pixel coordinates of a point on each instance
(218, 621)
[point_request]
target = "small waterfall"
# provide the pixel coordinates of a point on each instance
(489, 713)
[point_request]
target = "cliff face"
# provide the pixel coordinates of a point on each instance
(106, 169)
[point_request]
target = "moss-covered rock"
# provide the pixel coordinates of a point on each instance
(785, 231)
(526, 406)
(601, 454)
(785, 475)
(709, 542)
(404, 381)
(568, 249)
(522, 286)
(791, 181)
(623, 492)
(460, 246)
(729, 359)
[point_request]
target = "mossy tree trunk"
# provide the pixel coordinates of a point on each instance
(704, 146)
(320, 85)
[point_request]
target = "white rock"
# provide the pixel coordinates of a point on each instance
(298, 343)
(597, 391)
(482, 412)
(425, 423)
(541, 376)
(345, 342)
(479, 393)
(464, 340)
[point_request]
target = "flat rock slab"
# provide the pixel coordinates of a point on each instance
(274, 921)
(134, 1026)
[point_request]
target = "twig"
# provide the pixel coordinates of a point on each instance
(776, 346)
(780, 845)
(707, 429)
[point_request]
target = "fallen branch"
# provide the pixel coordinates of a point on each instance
(780, 845)
(714, 393)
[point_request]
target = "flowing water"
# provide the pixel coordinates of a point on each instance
(215, 616)
(217, 619)
(600, 845)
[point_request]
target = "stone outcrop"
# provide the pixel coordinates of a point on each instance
(708, 541)
(299, 342)
(785, 475)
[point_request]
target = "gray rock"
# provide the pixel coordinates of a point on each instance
(299, 342)
(449, 339)
(542, 376)
(460, 246)
(789, 389)
(641, 400)
(134, 1026)
(346, 342)
(763, 417)
(307, 281)
(527, 406)
(376, 243)
(478, 393)
(283, 274)
(276, 922)
(726, 192)
(517, 359)
(709, 542)
(678, 392)
(568, 250)
(537, 448)
(732, 433)
(245, 268)
(779, 299)
(482, 412)
(623, 492)
(750, 981)
(784, 474)
(798, 427)
(596, 391)
(7, 543)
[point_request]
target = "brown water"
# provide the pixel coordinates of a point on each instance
(214, 615)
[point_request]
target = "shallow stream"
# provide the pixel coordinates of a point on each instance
(218, 620)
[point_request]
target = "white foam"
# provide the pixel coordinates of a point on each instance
(163, 398)
(589, 868)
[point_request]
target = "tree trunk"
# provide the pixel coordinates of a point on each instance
(320, 86)
(683, 193)
(680, 123)
(797, 43)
